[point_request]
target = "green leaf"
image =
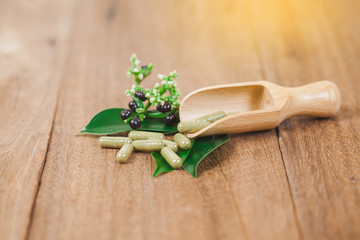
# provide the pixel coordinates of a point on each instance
(139, 103)
(200, 149)
(148, 69)
(157, 114)
(109, 122)
(162, 166)
(156, 125)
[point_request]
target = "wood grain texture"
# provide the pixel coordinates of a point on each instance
(32, 49)
(83, 187)
(321, 156)
(65, 61)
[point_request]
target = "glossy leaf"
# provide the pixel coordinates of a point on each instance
(162, 166)
(200, 149)
(148, 69)
(109, 122)
(138, 102)
(157, 114)
(156, 125)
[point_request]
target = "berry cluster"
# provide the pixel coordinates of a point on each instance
(164, 96)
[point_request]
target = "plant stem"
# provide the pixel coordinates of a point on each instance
(147, 106)
(162, 90)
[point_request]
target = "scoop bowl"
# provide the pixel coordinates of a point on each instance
(260, 105)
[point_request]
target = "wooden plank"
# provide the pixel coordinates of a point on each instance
(242, 191)
(32, 48)
(300, 42)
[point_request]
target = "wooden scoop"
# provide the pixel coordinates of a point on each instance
(261, 105)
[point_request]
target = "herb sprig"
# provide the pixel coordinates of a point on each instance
(162, 93)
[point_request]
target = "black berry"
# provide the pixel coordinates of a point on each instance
(166, 107)
(133, 106)
(125, 114)
(140, 95)
(135, 123)
(159, 107)
(144, 67)
(170, 120)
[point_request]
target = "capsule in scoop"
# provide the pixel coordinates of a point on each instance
(142, 135)
(211, 117)
(151, 145)
(124, 153)
(113, 142)
(191, 126)
(171, 157)
(184, 142)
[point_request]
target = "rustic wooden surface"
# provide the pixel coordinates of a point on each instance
(63, 61)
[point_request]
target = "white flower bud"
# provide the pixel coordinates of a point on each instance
(141, 76)
(156, 85)
(133, 86)
(135, 70)
(132, 90)
(154, 90)
(147, 95)
(160, 76)
(152, 100)
(137, 62)
(163, 82)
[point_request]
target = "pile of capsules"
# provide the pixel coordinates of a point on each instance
(147, 142)
(153, 142)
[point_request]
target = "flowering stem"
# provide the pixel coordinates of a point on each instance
(155, 95)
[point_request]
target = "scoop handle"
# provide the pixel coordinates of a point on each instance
(318, 99)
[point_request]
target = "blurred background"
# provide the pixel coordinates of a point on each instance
(63, 61)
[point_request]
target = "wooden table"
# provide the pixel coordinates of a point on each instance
(63, 61)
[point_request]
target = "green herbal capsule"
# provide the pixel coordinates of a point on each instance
(191, 126)
(211, 117)
(142, 135)
(148, 145)
(171, 157)
(124, 153)
(184, 142)
(173, 145)
(113, 142)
